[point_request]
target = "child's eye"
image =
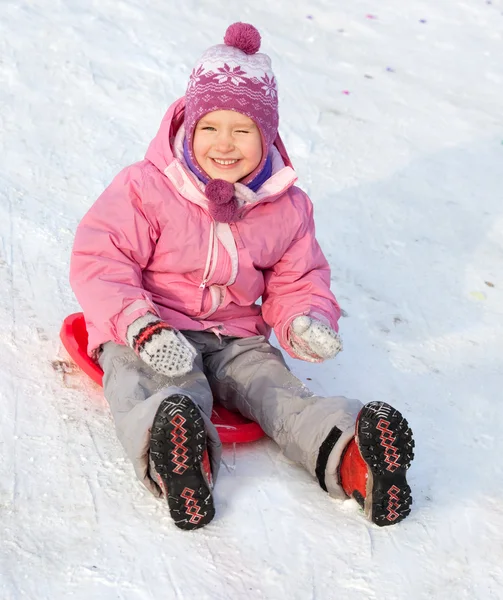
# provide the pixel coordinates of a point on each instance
(208, 128)
(242, 131)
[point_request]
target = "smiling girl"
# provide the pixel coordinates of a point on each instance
(169, 266)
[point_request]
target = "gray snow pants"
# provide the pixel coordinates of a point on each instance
(247, 375)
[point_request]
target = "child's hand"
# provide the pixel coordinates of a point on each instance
(162, 347)
(312, 340)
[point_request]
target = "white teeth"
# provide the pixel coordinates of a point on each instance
(225, 162)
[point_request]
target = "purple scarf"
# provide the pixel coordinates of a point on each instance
(254, 184)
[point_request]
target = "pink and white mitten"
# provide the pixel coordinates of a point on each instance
(313, 340)
(162, 347)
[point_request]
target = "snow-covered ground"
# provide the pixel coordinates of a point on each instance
(392, 114)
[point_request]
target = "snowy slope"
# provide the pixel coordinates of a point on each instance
(391, 112)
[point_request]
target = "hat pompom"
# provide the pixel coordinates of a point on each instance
(243, 36)
(219, 191)
(222, 204)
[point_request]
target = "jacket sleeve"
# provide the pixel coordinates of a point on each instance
(299, 284)
(113, 244)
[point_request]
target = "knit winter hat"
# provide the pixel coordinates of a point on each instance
(234, 76)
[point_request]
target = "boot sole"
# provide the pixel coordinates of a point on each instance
(385, 442)
(177, 446)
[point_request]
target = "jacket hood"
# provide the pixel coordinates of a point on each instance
(161, 149)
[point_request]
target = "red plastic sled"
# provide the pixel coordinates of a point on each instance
(232, 427)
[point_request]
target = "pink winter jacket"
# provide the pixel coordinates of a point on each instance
(149, 244)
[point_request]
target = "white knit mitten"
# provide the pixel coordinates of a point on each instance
(162, 347)
(312, 340)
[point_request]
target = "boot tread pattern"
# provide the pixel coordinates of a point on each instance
(177, 446)
(385, 442)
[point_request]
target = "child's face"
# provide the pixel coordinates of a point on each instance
(227, 145)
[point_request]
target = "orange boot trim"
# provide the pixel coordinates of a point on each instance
(353, 471)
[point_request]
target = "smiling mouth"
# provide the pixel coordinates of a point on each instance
(226, 162)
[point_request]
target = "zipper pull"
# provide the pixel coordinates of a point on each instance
(203, 284)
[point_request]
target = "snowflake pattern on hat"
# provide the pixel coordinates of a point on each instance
(225, 74)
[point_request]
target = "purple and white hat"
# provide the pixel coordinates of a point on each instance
(234, 76)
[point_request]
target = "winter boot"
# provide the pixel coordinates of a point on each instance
(180, 463)
(374, 464)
